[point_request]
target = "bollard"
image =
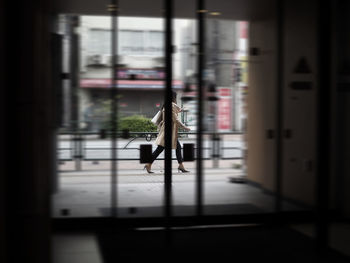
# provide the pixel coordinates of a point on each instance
(216, 154)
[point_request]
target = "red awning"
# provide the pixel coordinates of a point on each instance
(128, 84)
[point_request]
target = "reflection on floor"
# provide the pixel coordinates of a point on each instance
(241, 243)
(88, 194)
(74, 248)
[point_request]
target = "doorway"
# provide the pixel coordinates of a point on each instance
(117, 67)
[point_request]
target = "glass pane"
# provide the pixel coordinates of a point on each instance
(184, 71)
(140, 96)
(227, 188)
(83, 183)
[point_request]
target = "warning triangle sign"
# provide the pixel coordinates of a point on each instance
(302, 66)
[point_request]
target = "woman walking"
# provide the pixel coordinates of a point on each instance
(176, 124)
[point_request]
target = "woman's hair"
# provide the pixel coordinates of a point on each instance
(173, 98)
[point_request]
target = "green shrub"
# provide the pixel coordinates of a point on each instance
(237, 166)
(137, 123)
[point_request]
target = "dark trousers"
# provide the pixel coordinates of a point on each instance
(160, 148)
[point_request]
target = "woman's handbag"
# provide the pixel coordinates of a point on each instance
(157, 118)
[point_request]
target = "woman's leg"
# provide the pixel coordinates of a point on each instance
(178, 153)
(179, 158)
(156, 153)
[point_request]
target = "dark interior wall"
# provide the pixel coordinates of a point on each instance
(341, 149)
(299, 155)
(2, 137)
(29, 127)
(299, 105)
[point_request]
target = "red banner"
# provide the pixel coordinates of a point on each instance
(224, 114)
(243, 29)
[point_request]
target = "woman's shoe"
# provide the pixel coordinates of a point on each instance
(148, 169)
(182, 170)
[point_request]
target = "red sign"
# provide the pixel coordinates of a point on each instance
(224, 114)
(243, 29)
(224, 92)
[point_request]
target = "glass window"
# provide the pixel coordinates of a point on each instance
(155, 41)
(131, 42)
(99, 41)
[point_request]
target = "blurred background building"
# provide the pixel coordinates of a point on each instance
(141, 68)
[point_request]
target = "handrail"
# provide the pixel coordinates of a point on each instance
(135, 133)
(78, 149)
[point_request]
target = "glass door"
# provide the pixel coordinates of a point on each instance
(84, 138)
(121, 68)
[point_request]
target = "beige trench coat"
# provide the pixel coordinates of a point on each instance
(176, 124)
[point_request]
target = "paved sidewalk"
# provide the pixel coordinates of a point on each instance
(139, 194)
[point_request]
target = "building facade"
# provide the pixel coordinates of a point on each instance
(140, 44)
